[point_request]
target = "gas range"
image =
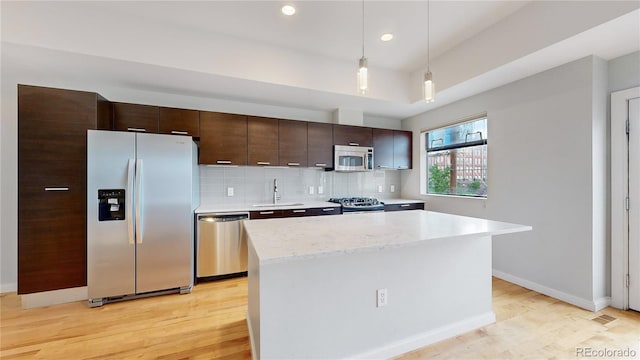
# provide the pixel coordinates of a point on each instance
(358, 204)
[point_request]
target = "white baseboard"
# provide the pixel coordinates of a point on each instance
(53, 297)
(591, 305)
(7, 288)
(429, 337)
(602, 303)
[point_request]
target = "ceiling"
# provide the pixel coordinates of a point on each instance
(333, 29)
(249, 51)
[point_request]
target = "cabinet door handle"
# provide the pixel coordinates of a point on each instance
(405, 205)
(179, 132)
(384, 167)
(56, 189)
(403, 167)
(328, 209)
(293, 164)
(137, 129)
(263, 163)
(266, 212)
(354, 144)
(299, 211)
(223, 162)
(321, 165)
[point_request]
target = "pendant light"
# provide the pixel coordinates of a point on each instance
(362, 63)
(429, 88)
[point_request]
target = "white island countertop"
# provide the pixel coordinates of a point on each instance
(289, 239)
(315, 283)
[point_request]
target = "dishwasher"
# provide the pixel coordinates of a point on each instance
(221, 248)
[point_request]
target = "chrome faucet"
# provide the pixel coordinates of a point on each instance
(275, 191)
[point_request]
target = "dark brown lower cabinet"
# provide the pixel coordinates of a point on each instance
(272, 214)
(402, 207)
(52, 196)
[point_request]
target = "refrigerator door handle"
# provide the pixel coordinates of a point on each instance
(129, 198)
(139, 215)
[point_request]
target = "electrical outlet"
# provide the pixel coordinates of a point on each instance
(379, 188)
(381, 297)
(311, 190)
(393, 188)
(320, 190)
(229, 191)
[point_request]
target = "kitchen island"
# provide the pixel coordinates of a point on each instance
(316, 284)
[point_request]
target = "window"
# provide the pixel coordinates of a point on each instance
(455, 159)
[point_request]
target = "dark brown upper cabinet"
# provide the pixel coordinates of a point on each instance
(179, 122)
(402, 149)
(320, 144)
(383, 149)
(52, 191)
(292, 143)
(352, 135)
(105, 114)
(392, 149)
(223, 138)
(135, 117)
(262, 141)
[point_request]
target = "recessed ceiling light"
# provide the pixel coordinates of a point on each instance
(288, 10)
(386, 37)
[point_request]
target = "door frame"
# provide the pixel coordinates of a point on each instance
(619, 187)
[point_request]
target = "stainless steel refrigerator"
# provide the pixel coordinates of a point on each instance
(139, 214)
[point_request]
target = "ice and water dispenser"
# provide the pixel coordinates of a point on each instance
(111, 204)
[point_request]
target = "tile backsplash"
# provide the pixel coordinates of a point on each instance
(255, 184)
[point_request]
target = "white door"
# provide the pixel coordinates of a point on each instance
(634, 208)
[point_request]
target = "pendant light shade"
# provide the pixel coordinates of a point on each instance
(362, 75)
(429, 88)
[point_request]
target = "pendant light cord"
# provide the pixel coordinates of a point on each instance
(362, 28)
(428, 36)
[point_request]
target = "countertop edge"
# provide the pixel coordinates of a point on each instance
(249, 207)
(203, 209)
(513, 228)
(292, 258)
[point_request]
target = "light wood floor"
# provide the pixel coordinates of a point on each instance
(210, 324)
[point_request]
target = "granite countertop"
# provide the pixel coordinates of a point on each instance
(283, 206)
(289, 239)
(400, 201)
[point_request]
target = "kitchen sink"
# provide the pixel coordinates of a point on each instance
(278, 204)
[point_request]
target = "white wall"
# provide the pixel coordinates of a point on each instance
(600, 171)
(624, 72)
(13, 75)
(544, 170)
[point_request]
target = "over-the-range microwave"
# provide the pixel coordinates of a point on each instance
(353, 158)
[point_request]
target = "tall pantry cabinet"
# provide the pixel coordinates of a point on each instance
(52, 196)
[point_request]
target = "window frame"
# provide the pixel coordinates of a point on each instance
(425, 150)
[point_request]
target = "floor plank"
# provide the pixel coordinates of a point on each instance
(210, 324)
